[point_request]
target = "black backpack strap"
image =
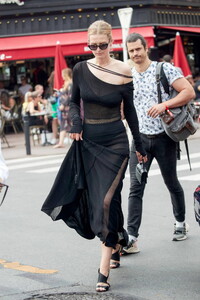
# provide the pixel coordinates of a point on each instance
(158, 74)
(188, 154)
(164, 80)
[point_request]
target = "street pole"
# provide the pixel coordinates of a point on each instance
(125, 15)
(27, 135)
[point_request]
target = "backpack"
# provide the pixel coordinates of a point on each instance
(197, 204)
(178, 122)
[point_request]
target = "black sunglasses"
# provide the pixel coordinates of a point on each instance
(101, 46)
(2, 186)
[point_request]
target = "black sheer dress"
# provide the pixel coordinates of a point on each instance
(95, 207)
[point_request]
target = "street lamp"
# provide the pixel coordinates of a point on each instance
(125, 15)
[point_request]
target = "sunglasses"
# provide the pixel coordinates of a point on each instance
(101, 46)
(3, 189)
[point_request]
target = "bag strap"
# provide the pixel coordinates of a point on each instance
(161, 77)
(158, 73)
(188, 154)
(107, 70)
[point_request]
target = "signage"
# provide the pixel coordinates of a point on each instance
(4, 57)
(18, 2)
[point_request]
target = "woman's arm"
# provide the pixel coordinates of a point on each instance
(74, 111)
(131, 117)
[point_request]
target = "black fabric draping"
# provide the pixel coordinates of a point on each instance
(82, 205)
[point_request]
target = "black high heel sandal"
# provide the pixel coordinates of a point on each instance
(102, 279)
(115, 256)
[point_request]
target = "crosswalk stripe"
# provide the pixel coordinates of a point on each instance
(45, 170)
(28, 159)
(41, 165)
(35, 164)
(195, 177)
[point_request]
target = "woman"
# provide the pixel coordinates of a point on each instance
(102, 83)
(64, 99)
(33, 108)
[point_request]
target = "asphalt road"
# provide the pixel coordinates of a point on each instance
(39, 257)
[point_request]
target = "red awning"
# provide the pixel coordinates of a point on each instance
(178, 28)
(73, 43)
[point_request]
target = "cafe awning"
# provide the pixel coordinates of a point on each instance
(73, 43)
(182, 28)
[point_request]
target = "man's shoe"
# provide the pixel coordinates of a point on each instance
(131, 248)
(180, 233)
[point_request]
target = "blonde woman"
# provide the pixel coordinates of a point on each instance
(63, 106)
(102, 83)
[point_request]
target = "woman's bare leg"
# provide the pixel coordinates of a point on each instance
(106, 253)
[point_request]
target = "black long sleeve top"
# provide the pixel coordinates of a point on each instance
(102, 101)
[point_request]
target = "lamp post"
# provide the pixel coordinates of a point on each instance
(125, 15)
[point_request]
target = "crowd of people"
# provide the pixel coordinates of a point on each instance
(35, 101)
(90, 107)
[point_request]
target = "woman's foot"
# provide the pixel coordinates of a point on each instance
(58, 146)
(115, 258)
(102, 284)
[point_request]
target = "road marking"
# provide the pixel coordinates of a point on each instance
(30, 269)
(195, 177)
(28, 159)
(35, 164)
(46, 170)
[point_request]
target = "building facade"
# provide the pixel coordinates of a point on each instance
(30, 29)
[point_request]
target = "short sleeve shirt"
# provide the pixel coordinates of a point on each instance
(145, 95)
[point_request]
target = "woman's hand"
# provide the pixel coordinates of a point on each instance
(141, 158)
(76, 136)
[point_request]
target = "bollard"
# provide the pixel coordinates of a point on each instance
(27, 135)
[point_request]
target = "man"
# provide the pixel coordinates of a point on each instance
(24, 88)
(168, 58)
(156, 143)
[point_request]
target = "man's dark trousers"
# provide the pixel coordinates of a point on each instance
(164, 150)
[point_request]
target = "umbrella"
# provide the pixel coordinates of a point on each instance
(179, 56)
(59, 65)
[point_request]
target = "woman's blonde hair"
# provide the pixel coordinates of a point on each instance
(67, 73)
(100, 27)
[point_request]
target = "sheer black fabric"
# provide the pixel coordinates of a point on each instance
(93, 208)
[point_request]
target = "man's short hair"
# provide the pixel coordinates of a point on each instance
(167, 58)
(133, 37)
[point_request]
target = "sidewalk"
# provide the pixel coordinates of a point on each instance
(17, 148)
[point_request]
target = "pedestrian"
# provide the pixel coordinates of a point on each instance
(24, 88)
(63, 107)
(101, 83)
(156, 142)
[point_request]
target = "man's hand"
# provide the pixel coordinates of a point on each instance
(156, 110)
(141, 158)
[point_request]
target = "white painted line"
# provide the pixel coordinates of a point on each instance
(35, 164)
(46, 170)
(195, 177)
(27, 159)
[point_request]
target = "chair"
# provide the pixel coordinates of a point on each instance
(15, 120)
(35, 133)
(2, 133)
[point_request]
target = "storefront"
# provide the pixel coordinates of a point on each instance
(29, 30)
